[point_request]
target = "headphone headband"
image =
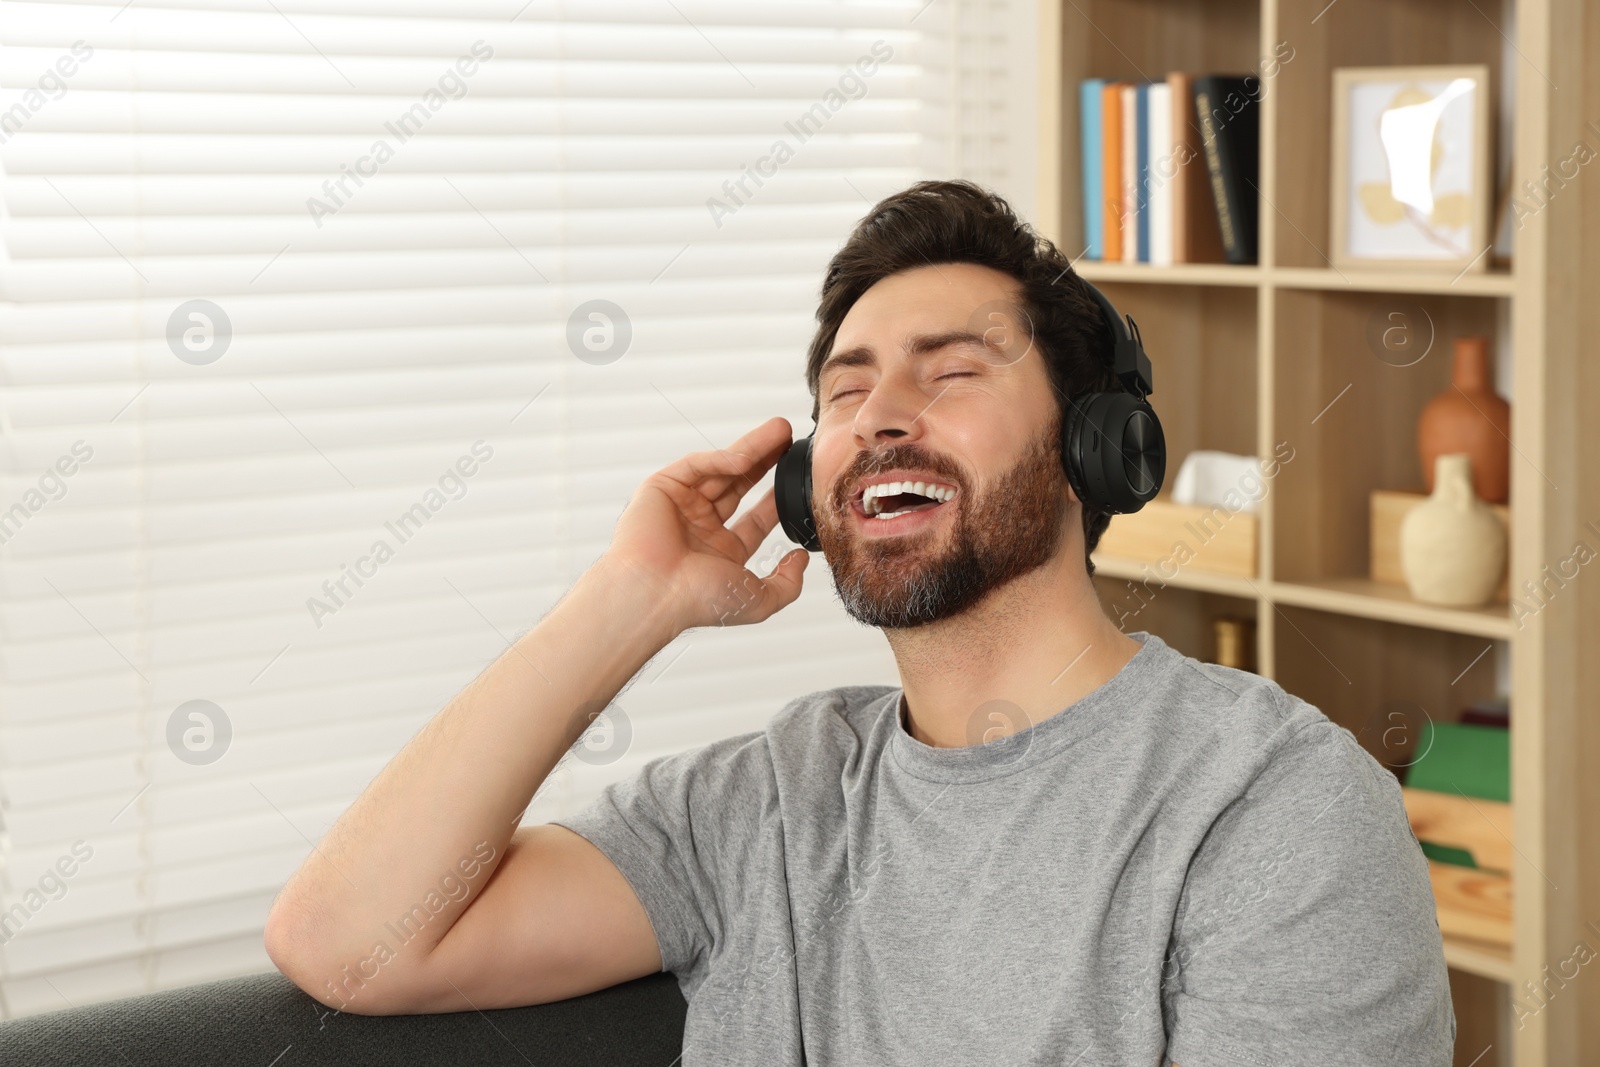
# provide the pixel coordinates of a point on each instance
(1128, 359)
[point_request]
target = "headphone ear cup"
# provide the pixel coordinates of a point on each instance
(1114, 450)
(1071, 429)
(791, 490)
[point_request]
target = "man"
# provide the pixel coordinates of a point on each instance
(1054, 843)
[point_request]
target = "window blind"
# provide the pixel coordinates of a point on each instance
(335, 336)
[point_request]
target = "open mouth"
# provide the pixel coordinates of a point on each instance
(890, 500)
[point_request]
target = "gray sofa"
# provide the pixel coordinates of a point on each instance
(264, 1021)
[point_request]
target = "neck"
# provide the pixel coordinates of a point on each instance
(1037, 644)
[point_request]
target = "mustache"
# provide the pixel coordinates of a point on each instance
(867, 464)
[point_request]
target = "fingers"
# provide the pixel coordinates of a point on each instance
(725, 493)
(754, 525)
(780, 588)
(724, 475)
(783, 586)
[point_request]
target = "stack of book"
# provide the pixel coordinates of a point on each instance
(1170, 169)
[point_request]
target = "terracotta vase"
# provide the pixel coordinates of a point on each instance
(1469, 417)
(1452, 545)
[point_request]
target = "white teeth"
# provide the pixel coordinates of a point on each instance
(931, 490)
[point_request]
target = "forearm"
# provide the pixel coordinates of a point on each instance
(456, 790)
(372, 915)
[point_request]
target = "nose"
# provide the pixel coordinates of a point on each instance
(891, 414)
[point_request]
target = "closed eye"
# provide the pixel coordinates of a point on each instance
(940, 378)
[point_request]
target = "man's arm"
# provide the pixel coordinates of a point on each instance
(420, 898)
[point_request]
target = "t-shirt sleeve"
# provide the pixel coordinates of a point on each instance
(1306, 931)
(680, 830)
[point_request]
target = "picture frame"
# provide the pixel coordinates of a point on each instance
(1504, 238)
(1411, 181)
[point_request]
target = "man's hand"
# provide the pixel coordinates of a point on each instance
(544, 915)
(673, 536)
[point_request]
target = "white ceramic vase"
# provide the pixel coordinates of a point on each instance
(1452, 545)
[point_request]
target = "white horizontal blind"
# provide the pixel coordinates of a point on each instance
(322, 497)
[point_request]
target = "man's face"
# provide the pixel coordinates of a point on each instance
(932, 379)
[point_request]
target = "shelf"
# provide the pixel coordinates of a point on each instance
(1485, 283)
(1357, 597)
(1392, 603)
(1137, 570)
(1482, 958)
(1350, 279)
(1179, 274)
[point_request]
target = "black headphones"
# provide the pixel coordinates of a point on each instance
(1112, 446)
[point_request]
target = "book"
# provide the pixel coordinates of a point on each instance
(1494, 711)
(1158, 203)
(1229, 119)
(1161, 180)
(1090, 110)
(1111, 175)
(1195, 237)
(1473, 761)
(1141, 193)
(1129, 217)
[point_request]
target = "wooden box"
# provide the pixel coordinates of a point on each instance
(1388, 508)
(1472, 903)
(1183, 537)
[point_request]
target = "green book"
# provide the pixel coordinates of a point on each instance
(1459, 759)
(1458, 857)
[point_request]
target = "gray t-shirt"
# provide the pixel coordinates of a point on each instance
(1188, 864)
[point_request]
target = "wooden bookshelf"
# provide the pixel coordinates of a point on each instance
(1250, 357)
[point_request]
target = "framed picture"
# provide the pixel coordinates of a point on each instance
(1411, 173)
(1503, 237)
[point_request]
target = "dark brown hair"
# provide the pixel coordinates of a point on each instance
(936, 222)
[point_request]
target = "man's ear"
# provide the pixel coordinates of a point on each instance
(1070, 493)
(1067, 490)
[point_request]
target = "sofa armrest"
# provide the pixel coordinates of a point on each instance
(265, 1020)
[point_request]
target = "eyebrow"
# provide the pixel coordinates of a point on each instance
(921, 345)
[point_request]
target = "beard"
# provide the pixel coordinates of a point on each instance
(915, 579)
